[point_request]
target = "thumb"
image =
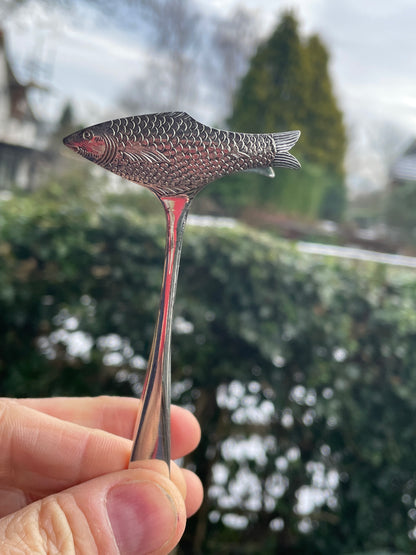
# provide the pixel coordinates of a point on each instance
(130, 512)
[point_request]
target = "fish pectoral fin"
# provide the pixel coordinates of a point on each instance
(139, 153)
(268, 172)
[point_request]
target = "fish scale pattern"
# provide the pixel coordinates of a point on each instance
(173, 154)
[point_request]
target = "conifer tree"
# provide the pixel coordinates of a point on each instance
(273, 93)
(286, 87)
(324, 141)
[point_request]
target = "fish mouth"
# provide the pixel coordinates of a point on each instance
(88, 150)
(99, 149)
(69, 142)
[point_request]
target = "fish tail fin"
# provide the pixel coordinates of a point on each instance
(283, 142)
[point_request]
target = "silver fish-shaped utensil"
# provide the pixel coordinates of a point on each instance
(173, 154)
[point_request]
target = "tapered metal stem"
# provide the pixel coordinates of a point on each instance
(152, 431)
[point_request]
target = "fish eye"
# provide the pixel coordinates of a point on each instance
(87, 135)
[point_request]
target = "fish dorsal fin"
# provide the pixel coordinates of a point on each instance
(181, 115)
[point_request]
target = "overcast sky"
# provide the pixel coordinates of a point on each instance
(372, 45)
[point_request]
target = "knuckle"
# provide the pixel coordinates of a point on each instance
(4, 410)
(64, 526)
(54, 530)
(55, 525)
(6, 455)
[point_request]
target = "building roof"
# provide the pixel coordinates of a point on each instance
(19, 105)
(404, 169)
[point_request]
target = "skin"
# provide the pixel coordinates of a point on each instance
(64, 484)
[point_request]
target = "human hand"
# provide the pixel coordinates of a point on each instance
(64, 487)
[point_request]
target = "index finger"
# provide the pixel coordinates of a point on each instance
(117, 415)
(42, 454)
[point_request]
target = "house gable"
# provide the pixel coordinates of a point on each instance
(404, 169)
(18, 125)
(20, 145)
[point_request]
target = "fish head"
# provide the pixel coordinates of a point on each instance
(89, 143)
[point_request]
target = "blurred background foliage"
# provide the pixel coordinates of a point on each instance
(300, 368)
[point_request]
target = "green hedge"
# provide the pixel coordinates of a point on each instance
(301, 370)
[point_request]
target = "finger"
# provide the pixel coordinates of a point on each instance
(188, 484)
(11, 500)
(117, 415)
(173, 472)
(42, 455)
(185, 432)
(194, 492)
(132, 511)
(186, 481)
